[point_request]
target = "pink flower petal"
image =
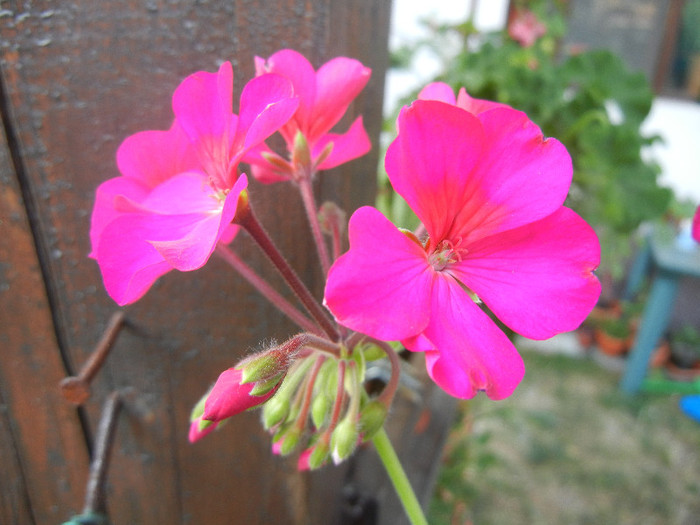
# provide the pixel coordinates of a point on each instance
(105, 210)
(521, 176)
(430, 162)
(128, 262)
(381, 286)
(338, 82)
(438, 91)
(471, 352)
(154, 156)
(300, 72)
(203, 103)
(538, 279)
(475, 106)
(696, 225)
(346, 146)
(267, 103)
(187, 240)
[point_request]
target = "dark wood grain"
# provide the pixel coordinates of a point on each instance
(80, 77)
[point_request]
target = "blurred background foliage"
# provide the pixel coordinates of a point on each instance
(589, 100)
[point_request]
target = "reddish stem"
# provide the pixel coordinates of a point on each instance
(307, 196)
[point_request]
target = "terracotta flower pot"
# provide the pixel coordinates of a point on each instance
(609, 344)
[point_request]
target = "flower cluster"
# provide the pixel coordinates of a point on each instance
(495, 241)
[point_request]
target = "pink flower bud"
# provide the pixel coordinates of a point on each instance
(230, 396)
(200, 428)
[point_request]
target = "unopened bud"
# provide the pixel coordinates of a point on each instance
(263, 366)
(372, 417)
(290, 440)
(331, 217)
(320, 409)
(319, 455)
(301, 154)
(344, 439)
(275, 411)
(372, 352)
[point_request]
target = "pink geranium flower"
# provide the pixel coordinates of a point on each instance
(489, 190)
(178, 189)
(525, 28)
(324, 97)
(696, 225)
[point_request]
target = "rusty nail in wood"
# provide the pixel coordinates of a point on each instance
(95, 492)
(76, 389)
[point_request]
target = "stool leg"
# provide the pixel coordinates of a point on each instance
(654, 322)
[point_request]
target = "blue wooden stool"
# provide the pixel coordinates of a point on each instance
(671, 263)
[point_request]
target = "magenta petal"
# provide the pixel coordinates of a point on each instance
(538, 279)
(521, 177)
(300, 72)
(471, 352)
(203, 102)
(105, 210)
(346, 146)
(128, 262)
(438, 91)
(154, 156)
(187, 240)
(229, 397)
(266, 105)
(381, 286)
(338, 82)
(430, 162)
(696, 225)
(476, 106)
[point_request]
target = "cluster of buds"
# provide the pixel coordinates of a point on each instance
(312, 396)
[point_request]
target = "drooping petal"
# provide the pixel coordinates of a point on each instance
(267, 103)
(438, 91)
(192, 237)
(338, 82)
(430, 162)
(471, 353)
(152, 157)
(105, 210)
(128, 262)
(538, 279)
(346, 146)
(381, 286)
(300, 72)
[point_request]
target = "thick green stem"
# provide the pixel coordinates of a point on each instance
(398, 477)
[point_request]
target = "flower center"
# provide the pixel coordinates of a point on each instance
(446, 253)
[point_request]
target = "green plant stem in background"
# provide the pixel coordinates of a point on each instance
(398, 477)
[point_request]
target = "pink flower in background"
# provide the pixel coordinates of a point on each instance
(179, 188)
(324, 97)
(696, 225)
(229, 396)
(489, 190)
(525, 28)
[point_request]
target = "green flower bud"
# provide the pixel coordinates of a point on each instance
(372, 417)
(319, 456)
(290, 440)
(320, 409)
(301, 154)
(344, 439)
(275, 411)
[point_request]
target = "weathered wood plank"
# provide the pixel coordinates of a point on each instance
(42, 448)
(81, 77)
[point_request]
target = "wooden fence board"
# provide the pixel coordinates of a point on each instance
(46, 466)
(82, 76)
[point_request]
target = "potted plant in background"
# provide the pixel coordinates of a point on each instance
(684, 363)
